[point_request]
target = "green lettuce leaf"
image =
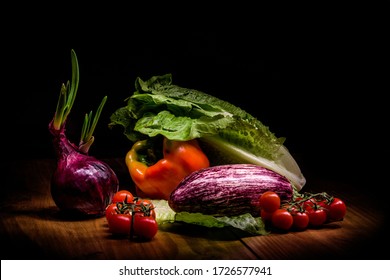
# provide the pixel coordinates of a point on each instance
(245, 222)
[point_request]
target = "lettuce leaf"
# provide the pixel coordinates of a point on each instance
(245, 222)
(227, 133)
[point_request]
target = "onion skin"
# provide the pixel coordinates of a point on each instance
(81, 185)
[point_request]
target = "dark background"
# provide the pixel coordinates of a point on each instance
(317, 77)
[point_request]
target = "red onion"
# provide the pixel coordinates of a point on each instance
(81, 184)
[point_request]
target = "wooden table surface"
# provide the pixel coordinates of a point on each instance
(31, 227)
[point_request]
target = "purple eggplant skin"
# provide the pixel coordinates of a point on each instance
(228, 190)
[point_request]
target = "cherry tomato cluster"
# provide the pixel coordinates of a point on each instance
(131, 216)
(303, 211)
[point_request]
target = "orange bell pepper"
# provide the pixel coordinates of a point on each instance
(157, 181)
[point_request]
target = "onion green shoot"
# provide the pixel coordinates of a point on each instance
(67, 95)
(65, 103)
(88, 128)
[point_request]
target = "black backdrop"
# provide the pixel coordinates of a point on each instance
(315, 78)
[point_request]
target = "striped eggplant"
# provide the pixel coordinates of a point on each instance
(228, 190)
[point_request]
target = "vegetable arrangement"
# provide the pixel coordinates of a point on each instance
(81, 184)
(201, 159)
(242, 160)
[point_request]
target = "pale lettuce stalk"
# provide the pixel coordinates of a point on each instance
(227, 133)
(284, 164)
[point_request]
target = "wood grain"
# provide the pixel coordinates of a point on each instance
(31, 227)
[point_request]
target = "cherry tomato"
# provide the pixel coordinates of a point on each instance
(282, 219)
(123, 196)
(266, 216)
(317, 216)
(111, 209)
(119, 224)
(146, 206)
(145, 227)
(269, 201)
(308, 204)
(337, 210)
(300, 220)
(323, 203)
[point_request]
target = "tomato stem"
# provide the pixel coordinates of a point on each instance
(299, 199)
(132, 224)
